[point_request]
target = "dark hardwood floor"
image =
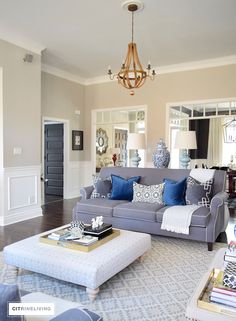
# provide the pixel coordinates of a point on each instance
(59, 212)
(55, 214)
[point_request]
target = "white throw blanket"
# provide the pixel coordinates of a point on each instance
(178, 218)
(202, 174)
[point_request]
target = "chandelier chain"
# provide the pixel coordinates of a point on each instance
(132, 27)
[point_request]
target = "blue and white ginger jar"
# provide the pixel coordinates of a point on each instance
(161, 156)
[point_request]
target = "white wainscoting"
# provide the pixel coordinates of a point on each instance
(21, 194)
(79, 174)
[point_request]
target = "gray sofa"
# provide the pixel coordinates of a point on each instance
(206, 223)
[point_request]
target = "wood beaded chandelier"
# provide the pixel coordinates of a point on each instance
(132, 75)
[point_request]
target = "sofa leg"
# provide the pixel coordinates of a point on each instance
(210, 246)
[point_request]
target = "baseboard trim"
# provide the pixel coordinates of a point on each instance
(21, 216)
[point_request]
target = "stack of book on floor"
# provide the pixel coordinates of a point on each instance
(230, 254)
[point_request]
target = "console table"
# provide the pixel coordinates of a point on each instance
(232, 183)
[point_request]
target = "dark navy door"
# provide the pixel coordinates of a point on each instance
(53, 159)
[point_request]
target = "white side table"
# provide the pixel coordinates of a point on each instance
(198, 314)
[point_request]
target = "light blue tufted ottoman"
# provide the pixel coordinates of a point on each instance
(87, 269)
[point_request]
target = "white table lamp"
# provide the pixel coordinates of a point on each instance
(136, 142)
(185, 140)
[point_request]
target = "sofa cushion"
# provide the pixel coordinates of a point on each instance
(174, 192)
(200, 217)
(122, 189)
(198, 193)
(148, 193)
(137, 211)
(97, 206)
(77, 314)
(8, 293)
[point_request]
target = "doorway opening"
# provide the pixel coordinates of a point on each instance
(54, 159)
(110, 130)
(208, 120)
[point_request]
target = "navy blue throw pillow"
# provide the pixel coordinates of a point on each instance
(122, 189)
(174, 192)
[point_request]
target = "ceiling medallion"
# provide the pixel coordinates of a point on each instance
(132, 75)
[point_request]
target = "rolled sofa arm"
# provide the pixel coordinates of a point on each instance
(218, 200)
(86, 191)
(219, 207)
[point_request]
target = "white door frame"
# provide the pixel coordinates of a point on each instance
(191, 102)
(65, 122)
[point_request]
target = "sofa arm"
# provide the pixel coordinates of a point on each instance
(219, 213)
(86, 191)
(217, 201)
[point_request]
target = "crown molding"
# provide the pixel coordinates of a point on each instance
(63, 74)
(27, 45)
(98, 80)
(200, 64)
(194, 65)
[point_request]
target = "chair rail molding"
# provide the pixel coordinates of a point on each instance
(21, 194)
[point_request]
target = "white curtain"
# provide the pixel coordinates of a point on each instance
(215, 142)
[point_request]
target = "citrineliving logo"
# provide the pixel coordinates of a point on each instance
(30, 308)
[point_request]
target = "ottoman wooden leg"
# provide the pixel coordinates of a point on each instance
(17, 271)
(92, 293)
(142, 257)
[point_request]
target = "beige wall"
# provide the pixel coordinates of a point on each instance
(22, 96)
(211, 83)
(60, 99)
(1, 119)
(21, 106)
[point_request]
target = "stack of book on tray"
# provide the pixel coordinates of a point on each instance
(99, 232)
(59, 234)
(90, 235)
(65, 235)
(86, 240)
(230, 254)
(223, 295)
(223, 290)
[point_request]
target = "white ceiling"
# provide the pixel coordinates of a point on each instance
(82, 37)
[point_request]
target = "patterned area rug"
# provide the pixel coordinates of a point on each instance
(156, 289)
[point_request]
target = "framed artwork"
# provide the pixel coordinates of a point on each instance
(77, 140)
